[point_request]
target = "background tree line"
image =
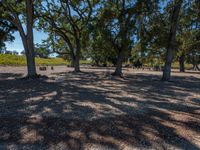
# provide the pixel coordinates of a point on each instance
(114, 31)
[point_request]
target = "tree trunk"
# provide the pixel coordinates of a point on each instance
(77, 56)
(196, 67)
(181, 62)
(76, 64)
(72, 61)
(72, 58)
(118, 70)
(29, 48)
(96, 62)
(171, 41)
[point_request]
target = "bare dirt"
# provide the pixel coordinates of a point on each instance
(93, 110)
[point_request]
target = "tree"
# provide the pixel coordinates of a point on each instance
(55, 44)
(42, 51)
(98, 48)
(154, 45)
(14, 12)
(117, 24)
(188, 38)
(121, 21)
(171, 43)
(149, 44)
(69, 20)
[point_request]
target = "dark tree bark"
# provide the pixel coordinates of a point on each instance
(181, 62)
(76, 56)
(118, 69)
(171, 40)
(76, 64)
(121, 47)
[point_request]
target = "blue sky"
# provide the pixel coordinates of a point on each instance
(17, 44)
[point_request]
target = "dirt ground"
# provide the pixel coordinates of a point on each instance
(92, 110)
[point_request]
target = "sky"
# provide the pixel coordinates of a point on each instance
(17, 43)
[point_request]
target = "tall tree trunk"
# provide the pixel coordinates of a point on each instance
(122, 47)
(30, 54)
(72, 59)
(27, 37)
(77, 56)
(118, 69)
(171, 41)
(76, 64)
(30, 59)
(181, 62)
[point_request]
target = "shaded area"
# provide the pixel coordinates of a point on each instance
(90, 110)
(10, 75)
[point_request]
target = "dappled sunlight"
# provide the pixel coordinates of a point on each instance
(101, 110)
(29, 135)
(88, 110)
(108, 139)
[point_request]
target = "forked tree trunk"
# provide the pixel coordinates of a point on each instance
(30, 57)
(181, 62)
(27, 39)
(171, 41)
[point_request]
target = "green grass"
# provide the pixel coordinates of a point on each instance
(175, 65)
(15, 60)
(85, 62)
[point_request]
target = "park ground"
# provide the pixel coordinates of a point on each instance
(92, 110)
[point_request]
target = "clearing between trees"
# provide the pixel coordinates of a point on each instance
(94, 110)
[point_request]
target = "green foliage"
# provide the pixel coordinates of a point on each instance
(42, 51)
(6, 30)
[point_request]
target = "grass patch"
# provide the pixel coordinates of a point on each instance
(175, 65)
(16, 60)
(85, 62)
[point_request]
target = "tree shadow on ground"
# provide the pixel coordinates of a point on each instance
(187, 72)
(88, 111)
(10, 75)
